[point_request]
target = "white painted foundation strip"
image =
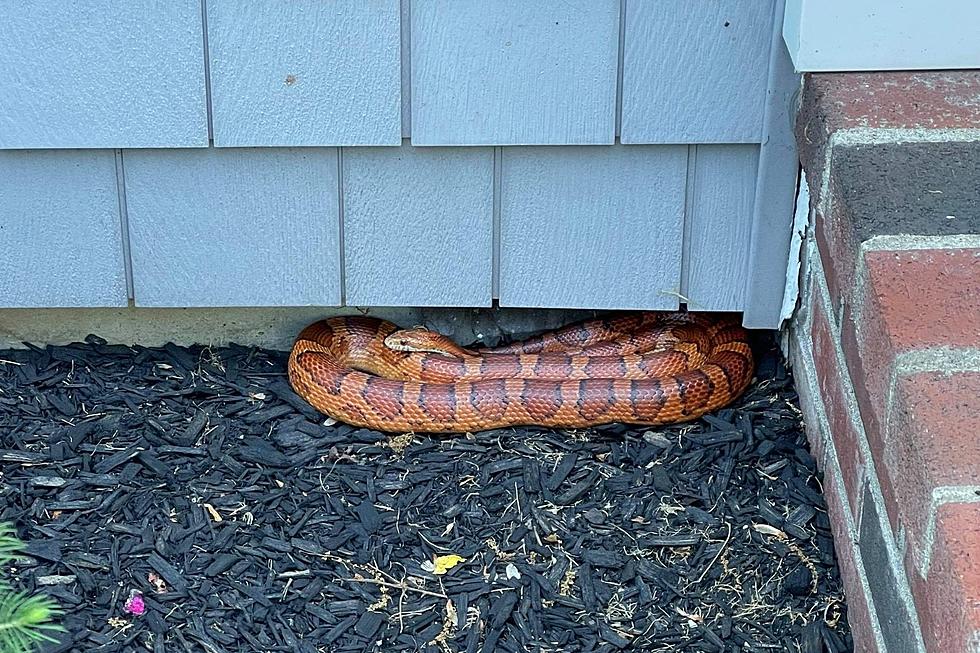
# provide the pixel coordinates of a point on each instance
(791, 291)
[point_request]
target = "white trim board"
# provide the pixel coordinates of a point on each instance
(856, 35)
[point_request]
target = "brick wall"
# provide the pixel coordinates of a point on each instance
(886, 344)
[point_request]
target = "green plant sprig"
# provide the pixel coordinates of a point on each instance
(25, 620)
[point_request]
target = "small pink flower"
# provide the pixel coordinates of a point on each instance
(134, 604)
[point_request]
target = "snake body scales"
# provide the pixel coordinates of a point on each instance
(643, 368)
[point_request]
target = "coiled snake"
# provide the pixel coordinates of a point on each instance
(644, 368)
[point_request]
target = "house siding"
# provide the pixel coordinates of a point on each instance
(584, 154)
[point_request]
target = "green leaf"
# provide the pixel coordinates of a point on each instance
(25, 620)
(10, 546)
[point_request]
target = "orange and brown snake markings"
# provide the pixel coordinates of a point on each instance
(644, 368)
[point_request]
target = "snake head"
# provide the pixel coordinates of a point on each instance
(422, 340)
(402, 340)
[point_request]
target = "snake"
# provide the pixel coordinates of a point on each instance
(645, 368)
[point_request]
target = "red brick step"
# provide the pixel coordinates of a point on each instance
(933, 448)
(888, 343)
(948, 600)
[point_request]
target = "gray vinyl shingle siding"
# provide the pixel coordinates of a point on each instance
(586, 153)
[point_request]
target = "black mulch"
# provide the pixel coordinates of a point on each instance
(197, 478)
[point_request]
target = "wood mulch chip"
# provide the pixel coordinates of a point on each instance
(197, 479)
